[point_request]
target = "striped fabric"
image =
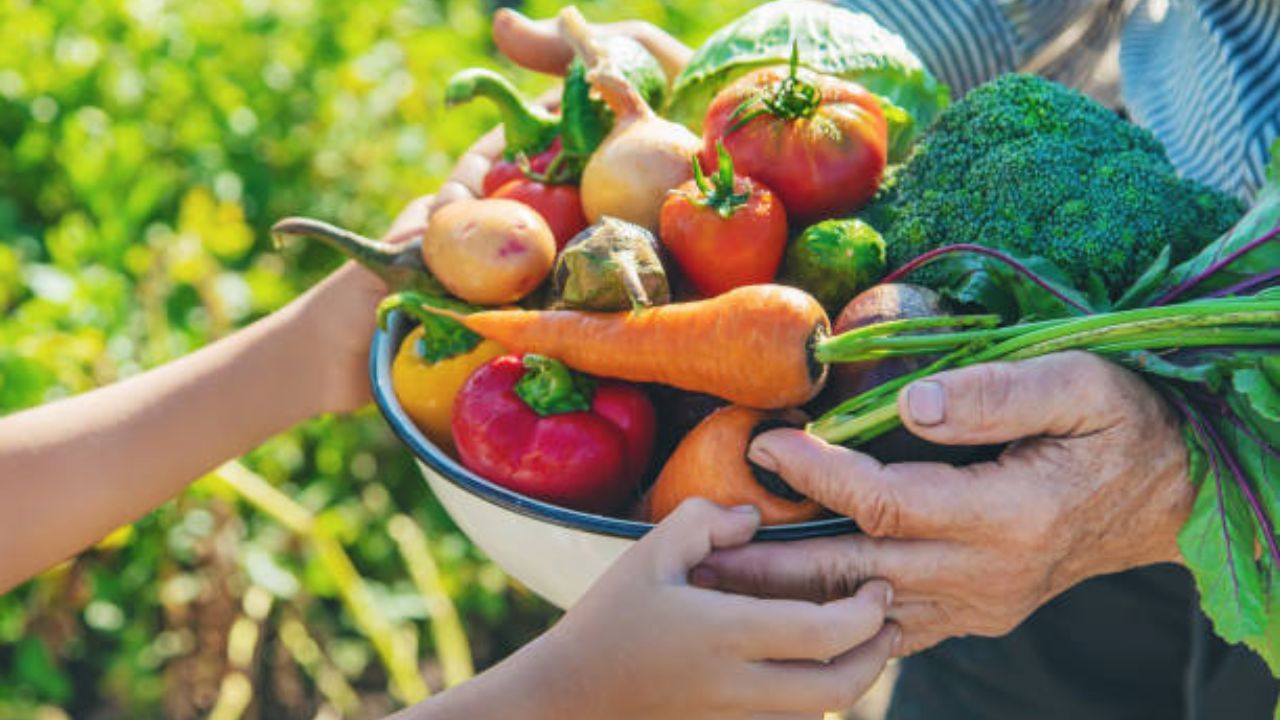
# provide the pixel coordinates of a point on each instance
(1203, 75)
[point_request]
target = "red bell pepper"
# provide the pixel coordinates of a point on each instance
(530, 424)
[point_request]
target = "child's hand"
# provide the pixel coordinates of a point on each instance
(337, 319)
(643, 643)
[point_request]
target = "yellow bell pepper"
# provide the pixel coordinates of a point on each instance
(434, 361)
(427, 389)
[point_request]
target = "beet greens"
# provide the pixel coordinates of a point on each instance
(1205, 333)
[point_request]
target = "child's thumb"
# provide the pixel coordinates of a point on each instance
(696, 528)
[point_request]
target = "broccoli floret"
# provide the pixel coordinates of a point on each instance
(1026, 165)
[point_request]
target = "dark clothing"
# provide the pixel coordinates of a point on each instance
(1130, 646)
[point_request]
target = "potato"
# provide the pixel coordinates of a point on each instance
(489, 252)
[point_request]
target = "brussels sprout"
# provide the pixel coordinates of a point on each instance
(835, 260)
(830, 40)
(612, 265)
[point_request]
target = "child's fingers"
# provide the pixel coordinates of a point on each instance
(466, 181)
(815, 687)
(412, 218)
(799, 630)
(696, 528)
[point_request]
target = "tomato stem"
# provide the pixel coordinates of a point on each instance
(563, 169)
(789, 99)
(718, 194)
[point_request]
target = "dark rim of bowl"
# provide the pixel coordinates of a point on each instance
(382, 352)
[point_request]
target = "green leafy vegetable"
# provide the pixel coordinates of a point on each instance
(1032, 168)
(586, 118)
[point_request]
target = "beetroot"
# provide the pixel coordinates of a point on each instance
(882, 303)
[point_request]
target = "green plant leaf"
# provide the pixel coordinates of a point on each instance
(972, 279)
(34, 666)
(1261, 219)
(1256, 387)
(1148, 281)
(1217, 543)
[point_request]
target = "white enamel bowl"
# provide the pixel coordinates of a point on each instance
(556, 552)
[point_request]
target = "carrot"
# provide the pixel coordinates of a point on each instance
(711, 462)
(752, 345)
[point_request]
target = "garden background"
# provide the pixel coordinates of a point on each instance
(146, 146)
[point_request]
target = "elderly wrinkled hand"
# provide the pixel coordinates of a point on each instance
(1093, 482)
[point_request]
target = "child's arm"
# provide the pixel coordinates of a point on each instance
(74, 470)
(643, 643)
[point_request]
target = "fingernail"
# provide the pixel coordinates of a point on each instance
(762, 457)
(744, 509)
(703, 577)
(888, 595)
(926, 402)
(895, 640)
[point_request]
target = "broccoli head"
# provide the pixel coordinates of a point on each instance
(1031, 167)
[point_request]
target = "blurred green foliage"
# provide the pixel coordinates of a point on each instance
(145, 148)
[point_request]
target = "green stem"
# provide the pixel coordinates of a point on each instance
(369, 618)
(447, 633)
(789, 99)
(858, 428)
(400, 266)
(849, 346)
(528, 129)
(1173, 339)
(1096, 329)
(1233, 322)
(718, 194)
(442, 337)
(890, 389)
(549, 387)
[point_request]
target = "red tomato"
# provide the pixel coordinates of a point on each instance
(504, 171)
(817, 141)
(725, 234)
(559, 205)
